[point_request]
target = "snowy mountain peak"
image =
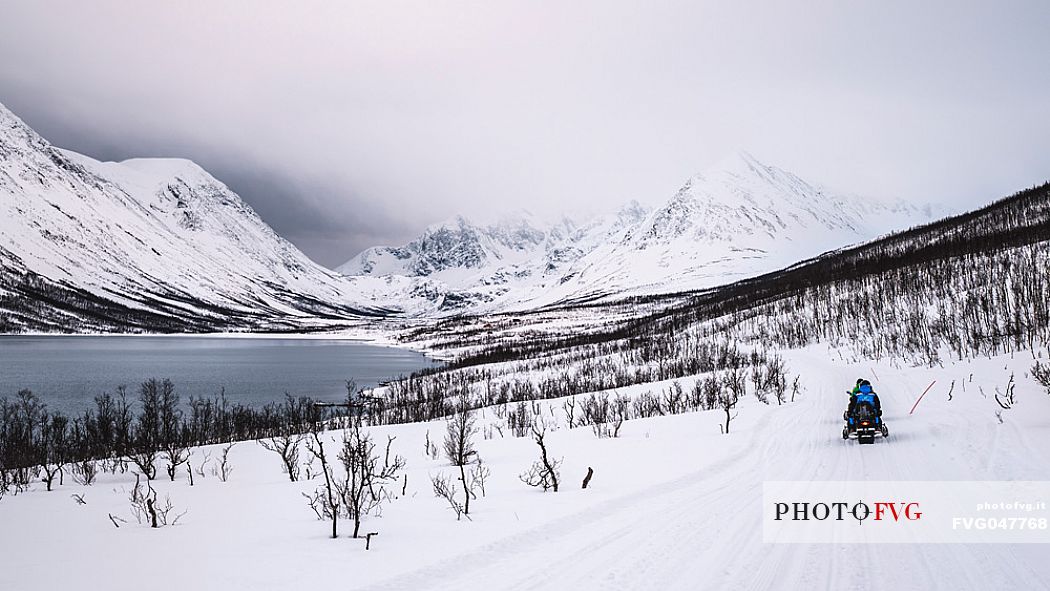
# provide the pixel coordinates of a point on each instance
(457, 245)
(737, 218)
(156, 235)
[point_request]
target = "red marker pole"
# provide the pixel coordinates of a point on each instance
(921, 395)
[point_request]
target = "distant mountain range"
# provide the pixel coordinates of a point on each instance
(161, 245)
(739, 219)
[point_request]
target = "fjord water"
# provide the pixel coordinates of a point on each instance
(67, 372)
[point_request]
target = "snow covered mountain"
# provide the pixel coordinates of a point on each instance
(160, 238)
(740, 218)
(466, 265)
(159, 244)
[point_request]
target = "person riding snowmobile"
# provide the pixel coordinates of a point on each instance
(863, 394)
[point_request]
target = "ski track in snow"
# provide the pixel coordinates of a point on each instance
(703, 531)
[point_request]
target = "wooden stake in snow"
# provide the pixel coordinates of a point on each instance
(921, 395)
(587, 479)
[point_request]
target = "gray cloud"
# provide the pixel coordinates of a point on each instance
(347, 124)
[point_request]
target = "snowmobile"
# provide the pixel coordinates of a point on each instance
(864, 424)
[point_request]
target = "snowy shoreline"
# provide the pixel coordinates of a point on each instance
(376, 337)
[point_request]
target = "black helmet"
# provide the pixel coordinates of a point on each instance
(860, 381)
(865, 383)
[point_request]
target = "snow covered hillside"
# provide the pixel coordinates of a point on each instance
(681, 416)
(150, 244)
(740, 218)
(673, 504)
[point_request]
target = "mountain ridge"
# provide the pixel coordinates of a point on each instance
(161, 244)
(737, 218)
(156, 235)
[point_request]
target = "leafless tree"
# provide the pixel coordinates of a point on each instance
(459, 449)
(157, 399)
(729, 396)
(53, 447)
(519, 418)
(203, 465)
(176, 452)
(146, 507)
(544, 473)
(674, 398)
(84, 472)
(287, 447)
(770, 378)
(366, 474)
(298, 416)
(445, 488)
(224, 468)
(1041, 374)
(479, 475)
(1006, 400)
(621, 412)
(605, 415)
(326, 498)
(145, 459)
(569, 405)
(362, 486)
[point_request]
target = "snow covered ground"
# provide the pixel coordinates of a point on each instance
(673, 504)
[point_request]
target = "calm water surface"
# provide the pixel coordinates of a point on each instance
(68, 372)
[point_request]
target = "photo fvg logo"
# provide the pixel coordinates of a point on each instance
(859, 511)
(867, 512)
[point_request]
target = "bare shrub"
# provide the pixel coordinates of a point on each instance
(770, 378)
(459, 449)
(145, 506)
(325, 500)
(445, 488)
(605, 415)
(1041, 374)
(479, 475)
(647, 405)
(543, 473)
(362, 487)
(203, 465)
(176, 452)
(224, 467)
(1006, 399)
(84, 472)
(674, 399)
(729, 396)
(519, 418)
(569, 406)
(287, 447)
(297, 417)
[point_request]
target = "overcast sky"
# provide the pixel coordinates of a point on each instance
(348, 124)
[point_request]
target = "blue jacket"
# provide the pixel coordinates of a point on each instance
(866, 396)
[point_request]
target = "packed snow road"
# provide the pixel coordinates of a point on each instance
(704, 531)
